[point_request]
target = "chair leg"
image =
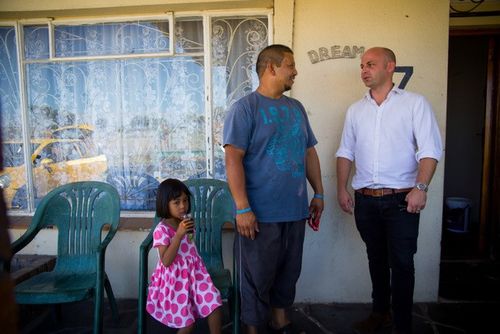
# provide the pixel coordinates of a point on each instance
(99, 296)
(141, 311)
(234, 312)
(112, 300)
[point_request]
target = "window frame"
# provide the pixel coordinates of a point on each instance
(52, 23)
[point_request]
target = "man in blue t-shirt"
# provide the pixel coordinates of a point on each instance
(269, 148)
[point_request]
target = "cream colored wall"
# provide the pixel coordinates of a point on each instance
(38, 5)
(475, 22)
(29, 9)
(335, 265)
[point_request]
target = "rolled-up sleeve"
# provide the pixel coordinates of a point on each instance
(348, 139)
(426, 131)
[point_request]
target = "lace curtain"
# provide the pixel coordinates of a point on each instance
(132, 121)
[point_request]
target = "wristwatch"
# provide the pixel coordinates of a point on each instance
(422, 187)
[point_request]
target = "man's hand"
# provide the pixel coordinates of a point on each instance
(345, 200)
(315, 211)
(247, 225)
(416, 200)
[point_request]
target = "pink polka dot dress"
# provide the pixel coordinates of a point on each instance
(183, 291)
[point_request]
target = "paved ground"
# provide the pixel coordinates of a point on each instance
(429, 318)
(469, 303)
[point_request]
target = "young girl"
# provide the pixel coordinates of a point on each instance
(181, 289)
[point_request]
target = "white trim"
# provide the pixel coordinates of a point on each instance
(113, 19)
(52, 41)
(236, 12)
(23, 104)
(137, 214)
(171, 33)
(37, 21)
(107, 57)
(147, 16)
(270, 27)
(207, 46)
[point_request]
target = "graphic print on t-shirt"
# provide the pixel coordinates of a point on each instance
(286, 146)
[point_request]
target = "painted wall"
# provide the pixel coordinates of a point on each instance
(335, 266)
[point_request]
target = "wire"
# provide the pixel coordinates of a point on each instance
(476, 2)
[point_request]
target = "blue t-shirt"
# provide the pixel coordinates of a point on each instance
(275, 134)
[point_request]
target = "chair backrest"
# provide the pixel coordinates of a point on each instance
(79, 211)
(211, 207)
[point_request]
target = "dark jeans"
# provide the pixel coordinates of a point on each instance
(390, 234)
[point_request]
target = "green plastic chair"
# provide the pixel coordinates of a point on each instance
(79, 211)
(211, 207)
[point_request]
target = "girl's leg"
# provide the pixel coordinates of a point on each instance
(215, 321)
(186, 330)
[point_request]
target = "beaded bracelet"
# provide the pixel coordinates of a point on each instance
(245, 210)
(320, 196)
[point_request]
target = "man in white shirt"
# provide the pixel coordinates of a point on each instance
(393, 138)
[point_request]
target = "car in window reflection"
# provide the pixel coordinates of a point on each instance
(68, 156)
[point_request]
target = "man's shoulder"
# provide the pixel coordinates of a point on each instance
(409, 94)
(245, 99)
(243, 103)
(292, 101)
(360, 102)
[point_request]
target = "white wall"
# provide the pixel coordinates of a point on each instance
(335, 267)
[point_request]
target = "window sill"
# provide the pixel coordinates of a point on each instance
(129, 221)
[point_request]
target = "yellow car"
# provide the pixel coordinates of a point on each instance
(56, 161)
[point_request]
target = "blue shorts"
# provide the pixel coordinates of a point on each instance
(269, 267)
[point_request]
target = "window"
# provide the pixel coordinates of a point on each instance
(130, 102)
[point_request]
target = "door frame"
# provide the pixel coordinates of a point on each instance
(488, 243)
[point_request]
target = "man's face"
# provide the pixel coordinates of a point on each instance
(286, 72)
(375, 69)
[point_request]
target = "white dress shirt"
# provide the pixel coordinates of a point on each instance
(386, 142)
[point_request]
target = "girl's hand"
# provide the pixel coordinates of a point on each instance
(185, 226)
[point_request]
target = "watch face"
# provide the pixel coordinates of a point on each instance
(421, 186)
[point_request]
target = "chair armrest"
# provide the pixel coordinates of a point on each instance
(109, 237)
(24, 239)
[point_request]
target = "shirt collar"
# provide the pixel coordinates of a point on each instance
(394, 90)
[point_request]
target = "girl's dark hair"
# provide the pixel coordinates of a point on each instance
(169, 190)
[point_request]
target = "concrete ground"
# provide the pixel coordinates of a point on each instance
(469, 303)
(428, 318)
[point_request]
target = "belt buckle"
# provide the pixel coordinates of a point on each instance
(378, 192)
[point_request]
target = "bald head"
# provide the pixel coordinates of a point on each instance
(388, 54)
